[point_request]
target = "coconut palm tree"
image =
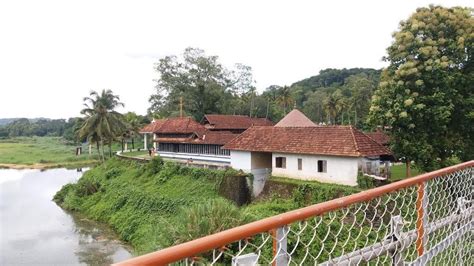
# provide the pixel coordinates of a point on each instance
(285, 98)
(133, 127)
(333, 105)
(102, 124)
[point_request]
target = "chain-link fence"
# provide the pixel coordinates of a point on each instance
(422, 220)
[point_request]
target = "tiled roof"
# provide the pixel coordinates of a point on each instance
(153, 126)
(295, 118)
(179, 125)
(208, 137)
(322, 140)
(234, 121)
(379, 136)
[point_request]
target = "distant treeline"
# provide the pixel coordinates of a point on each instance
(24, 127)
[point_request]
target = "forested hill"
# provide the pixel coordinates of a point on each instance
(6, 121)
(336, 96)
(335, 77)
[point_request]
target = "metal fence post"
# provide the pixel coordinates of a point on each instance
(421, 218)
(461, 202)
(396, 226)
(280, 245)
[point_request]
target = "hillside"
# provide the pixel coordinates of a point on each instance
(335, 77)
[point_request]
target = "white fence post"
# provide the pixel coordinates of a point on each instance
(281, 252)
(396, 226)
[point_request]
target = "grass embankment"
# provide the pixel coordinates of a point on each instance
(155, 205)
(41, 152)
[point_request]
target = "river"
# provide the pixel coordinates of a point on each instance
(36, 231)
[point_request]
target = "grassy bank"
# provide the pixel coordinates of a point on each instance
(155, 205)
(145, 203)
(41, 152)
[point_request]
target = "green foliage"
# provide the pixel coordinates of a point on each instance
(203, 219)
(60, 196)
(137, 203)
(40, 127)
(155, 165)
(365, 182)
(201, 81)
(315, 192)
(176, 204)
(425, 95)
(102, 124)
(206, 87)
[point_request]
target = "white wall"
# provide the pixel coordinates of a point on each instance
(340, 170)
(241, 160)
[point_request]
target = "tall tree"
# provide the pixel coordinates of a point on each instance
(426, 93)
(102, 124)
(285, 98)
(205, 85)
(361, 89)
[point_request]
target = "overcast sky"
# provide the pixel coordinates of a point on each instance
(52, 53)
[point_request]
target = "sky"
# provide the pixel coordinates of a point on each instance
(53, 53)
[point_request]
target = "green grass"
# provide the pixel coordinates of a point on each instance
(398, 172)
(140, 154)
(41, 150)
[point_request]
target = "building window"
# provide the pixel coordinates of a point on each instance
(322, 166)
(300, 164)
(280, 162)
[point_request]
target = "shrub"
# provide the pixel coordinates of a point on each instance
(87, 186)
(61, 194)
(155, 165)
(203, 219)
(365, 182)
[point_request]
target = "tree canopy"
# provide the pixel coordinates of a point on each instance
(426, 95)
(205, 85)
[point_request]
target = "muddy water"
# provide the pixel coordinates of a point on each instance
(35, 231)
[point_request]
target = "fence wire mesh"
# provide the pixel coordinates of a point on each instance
(428, 223)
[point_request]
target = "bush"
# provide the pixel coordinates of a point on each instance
(365, 182)
(87, 186)
(155, 165)
(306, 194)
(203, 219)
(61, 194)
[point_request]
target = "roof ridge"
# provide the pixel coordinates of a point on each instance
(373, 140)
(355, 141)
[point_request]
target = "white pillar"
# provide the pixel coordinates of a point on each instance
(145, 146)
(154, 142)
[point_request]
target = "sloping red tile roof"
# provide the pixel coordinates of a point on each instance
(321, 140)
(379, 136)
(295, 118)
(181, 125)
(178, 125)
(153, 126)
(234, 121)
(208, 137)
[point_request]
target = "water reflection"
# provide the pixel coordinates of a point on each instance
(34, 230)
